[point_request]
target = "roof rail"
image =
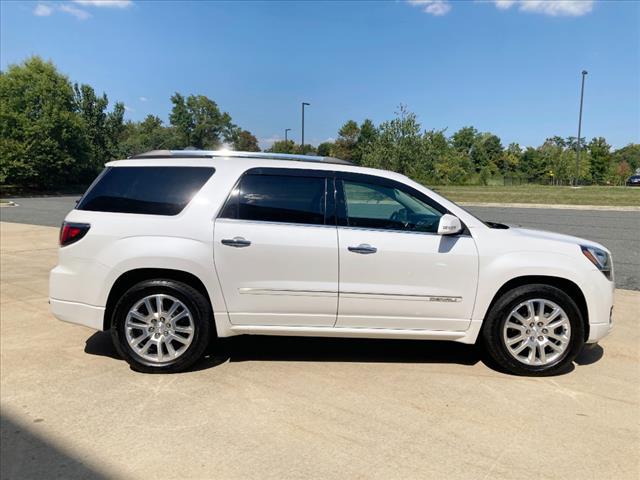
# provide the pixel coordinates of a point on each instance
(229, 153)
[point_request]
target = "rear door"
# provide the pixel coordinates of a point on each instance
(275, 249)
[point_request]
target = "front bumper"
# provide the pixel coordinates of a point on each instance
(598, 331)
(599, 292)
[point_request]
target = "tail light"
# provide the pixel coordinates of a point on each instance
(72, 232)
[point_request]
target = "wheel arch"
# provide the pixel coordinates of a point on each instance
(564, 284)
(129, 278)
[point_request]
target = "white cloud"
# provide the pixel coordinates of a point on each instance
(76, 12)
(129, 109)
(432, 7)
(554, 8)
(143, 99)
(105, 3)
(504, 4)
(46, 9)
(42, 10)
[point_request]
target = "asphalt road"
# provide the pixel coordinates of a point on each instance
(617, 230)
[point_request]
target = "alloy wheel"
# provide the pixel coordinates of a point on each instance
(537, 332)
(159, 328)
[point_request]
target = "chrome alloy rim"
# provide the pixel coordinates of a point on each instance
(537, 332)
(159, 328)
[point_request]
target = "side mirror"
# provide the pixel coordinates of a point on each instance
(449, 225)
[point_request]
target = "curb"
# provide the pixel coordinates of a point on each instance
(553, 206)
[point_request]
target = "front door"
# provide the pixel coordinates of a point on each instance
(395, 270)
(274, 252)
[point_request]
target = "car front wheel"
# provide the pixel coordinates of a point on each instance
(534, 330)
(161, 326)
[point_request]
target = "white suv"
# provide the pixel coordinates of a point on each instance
(170, 249)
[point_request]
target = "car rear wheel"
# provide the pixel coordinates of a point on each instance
(161, 326)
(534, 330)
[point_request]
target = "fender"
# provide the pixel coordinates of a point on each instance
(496, 271)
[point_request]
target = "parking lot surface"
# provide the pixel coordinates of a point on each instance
(275, 408)
(617, 230)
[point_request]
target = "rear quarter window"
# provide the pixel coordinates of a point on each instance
(146, 190)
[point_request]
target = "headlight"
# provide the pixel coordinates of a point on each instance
(600, 258)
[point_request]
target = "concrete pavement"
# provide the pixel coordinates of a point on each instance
(275, 408)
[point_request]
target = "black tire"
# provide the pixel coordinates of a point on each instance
(494, 344)
(199, 308)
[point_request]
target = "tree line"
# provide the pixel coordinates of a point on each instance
(471, 157)
(56, 133)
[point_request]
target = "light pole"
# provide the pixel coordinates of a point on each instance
(285, 134)
(302, 143)
(584, 74)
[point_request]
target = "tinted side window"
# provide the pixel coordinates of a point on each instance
(148, 190)
(369, 205)
(281, 198)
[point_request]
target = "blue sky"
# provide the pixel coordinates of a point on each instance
(508, 67)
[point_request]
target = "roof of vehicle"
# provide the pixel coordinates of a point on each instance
(220, 158)
(230, 153)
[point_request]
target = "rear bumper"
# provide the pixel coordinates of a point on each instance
(78, 313)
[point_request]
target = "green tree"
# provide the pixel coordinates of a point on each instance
(532, 164)
(436, 161)
(572, 143)
(512, 158)
(629, 154)
(245, 141)
(554, 161)
(325, 149)
(599, 150)
(42, 138)
(368, 135)
(282, 146)
(463, 143)
(465, 139)
(102, 129)
(346, 143)
(199, 123)
(306, 149)
(398, 145)
(622, 172)
(453, 168)
(487, 153)
(150, 134)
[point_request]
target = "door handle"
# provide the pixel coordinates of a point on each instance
(363, 248)
(237, 242)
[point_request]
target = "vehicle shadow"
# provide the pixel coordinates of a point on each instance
(256, 348)
(590, 354)
(100, 344)
(311, 349)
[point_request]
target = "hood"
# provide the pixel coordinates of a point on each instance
(558, 237)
